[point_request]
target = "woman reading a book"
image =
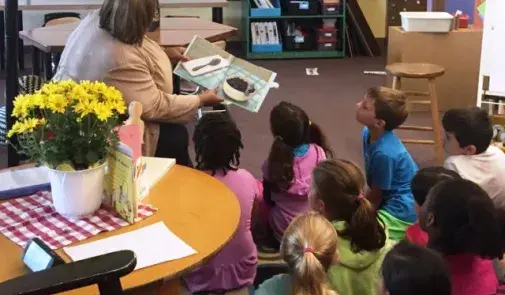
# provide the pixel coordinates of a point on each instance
(111, 45)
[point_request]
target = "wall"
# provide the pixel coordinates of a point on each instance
(374, 10)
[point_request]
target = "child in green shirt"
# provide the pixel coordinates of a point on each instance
(337, 192)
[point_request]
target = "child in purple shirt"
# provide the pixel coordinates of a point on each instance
(217, 145)
(298, 146)
(465, 227)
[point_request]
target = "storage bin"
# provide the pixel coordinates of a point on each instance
(327, 32)
(298, 43)
(327, 44)
(431, 22)
(261, 12)
(295, 7)
(266, 48)
(331, 8)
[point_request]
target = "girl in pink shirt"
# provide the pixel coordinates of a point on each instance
(298, 146)
(424, 180)
(463, 225)
(217, 146)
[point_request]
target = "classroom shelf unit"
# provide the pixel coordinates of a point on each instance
(340, 24)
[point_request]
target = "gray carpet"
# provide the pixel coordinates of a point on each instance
(329, 99)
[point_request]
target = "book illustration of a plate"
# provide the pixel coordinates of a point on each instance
(204, 65)
(238, 88)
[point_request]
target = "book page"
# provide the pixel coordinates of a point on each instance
(258, 78)
(210, 67)
(207, 63)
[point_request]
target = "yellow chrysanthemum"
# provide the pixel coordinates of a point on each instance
(27, 125)
(57, 103)
(102, 111)
(84, 107)
(21, 106)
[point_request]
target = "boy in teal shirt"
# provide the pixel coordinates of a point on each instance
(389, 166)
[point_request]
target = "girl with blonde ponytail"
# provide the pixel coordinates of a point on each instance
(309, 247)
(337, 193)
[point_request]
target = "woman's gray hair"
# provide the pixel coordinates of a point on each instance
(127, 20)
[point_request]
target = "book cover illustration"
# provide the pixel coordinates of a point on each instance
(238, 81)
(120, 187)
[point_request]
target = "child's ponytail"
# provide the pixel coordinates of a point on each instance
(280, 165)
(363, 229)
(317, 136)
(309, 247)
(339, 185)
(310, 277)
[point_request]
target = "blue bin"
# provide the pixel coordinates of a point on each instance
(267, 12)
(266, 48)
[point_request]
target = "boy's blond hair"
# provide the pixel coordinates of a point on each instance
(390, 106)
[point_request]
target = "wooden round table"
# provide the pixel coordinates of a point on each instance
(198, 208)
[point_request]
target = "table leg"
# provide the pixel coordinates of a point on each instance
(21, 56)
(2, 40)
(35, 61)
(48, 67)
(170, 287)
(217, 14)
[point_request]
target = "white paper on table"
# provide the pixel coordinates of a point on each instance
(152, 244)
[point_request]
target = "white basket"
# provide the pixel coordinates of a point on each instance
(430, 22)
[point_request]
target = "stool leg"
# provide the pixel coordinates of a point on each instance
(397, 83)
(439, 149)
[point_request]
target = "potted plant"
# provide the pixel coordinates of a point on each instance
(69, 127)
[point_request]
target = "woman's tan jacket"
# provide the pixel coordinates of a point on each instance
(142, 73)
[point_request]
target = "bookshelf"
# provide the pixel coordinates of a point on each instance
(340, 24)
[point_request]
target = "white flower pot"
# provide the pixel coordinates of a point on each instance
(77, 194)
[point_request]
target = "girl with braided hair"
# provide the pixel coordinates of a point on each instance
(217, 145)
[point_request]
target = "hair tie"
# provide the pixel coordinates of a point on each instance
(308, 249)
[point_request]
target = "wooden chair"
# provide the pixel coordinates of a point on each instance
(105, 271)
(51, 61)
(421, 71)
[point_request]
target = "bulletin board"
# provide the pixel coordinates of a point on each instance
(493, 46)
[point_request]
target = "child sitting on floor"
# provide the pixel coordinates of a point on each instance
(309, 247)
(217, 145)
(298, 146)
(389, 166)
(337, 192)
(464, 226)
(468, 134)
(425, 180)
(410, 269)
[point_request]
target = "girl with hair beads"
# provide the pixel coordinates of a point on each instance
(465, 227)
(298, 146)
(217, 145)
(309, 247)
(337, 192)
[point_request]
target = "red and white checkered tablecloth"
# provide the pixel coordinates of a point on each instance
(25, 218)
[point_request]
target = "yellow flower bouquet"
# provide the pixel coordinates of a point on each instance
(68, 125)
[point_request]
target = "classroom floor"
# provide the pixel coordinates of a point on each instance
(329, 99)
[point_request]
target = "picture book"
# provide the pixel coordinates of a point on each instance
(238, 81)
(120, 187)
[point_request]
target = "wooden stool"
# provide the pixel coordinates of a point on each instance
(421, 71)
